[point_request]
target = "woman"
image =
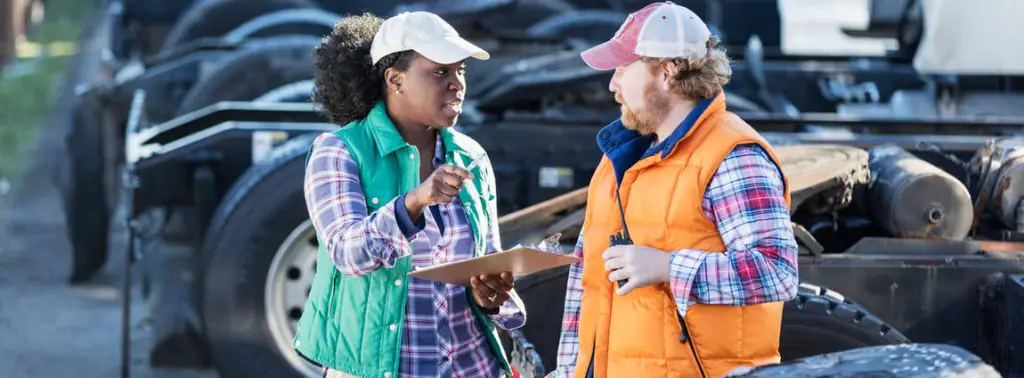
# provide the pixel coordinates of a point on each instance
(396, 188)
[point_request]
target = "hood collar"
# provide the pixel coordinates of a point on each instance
(624, 147)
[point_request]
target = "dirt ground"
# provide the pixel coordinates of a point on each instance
(49, 328)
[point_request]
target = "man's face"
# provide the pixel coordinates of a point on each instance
(639, 90)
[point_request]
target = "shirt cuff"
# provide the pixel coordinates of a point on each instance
(682, 272)
(405, 223)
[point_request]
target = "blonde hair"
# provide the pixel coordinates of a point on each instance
(698, 78)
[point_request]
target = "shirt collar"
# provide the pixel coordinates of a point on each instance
(388, 140)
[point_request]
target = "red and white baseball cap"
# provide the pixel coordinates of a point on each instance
(659, 30)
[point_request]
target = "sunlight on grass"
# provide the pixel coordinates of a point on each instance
(28, 90)
(55, 49)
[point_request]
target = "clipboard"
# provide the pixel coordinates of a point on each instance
(519, 261)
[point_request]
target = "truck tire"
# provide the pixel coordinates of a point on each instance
(524, 13)
(256, 69)
(218, 17)
(589, 24)
(86, 210)
(821, 321)
(295, 92)
(816, 321)
(305, 21)
(906, 360)
(259, 214)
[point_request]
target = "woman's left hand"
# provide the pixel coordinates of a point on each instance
(491, 290)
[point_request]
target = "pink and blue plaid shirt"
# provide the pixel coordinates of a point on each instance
(746, 201)
(441, 338)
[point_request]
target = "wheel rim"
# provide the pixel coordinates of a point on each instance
(288, 282)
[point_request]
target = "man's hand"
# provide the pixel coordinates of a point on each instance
(491, 290)
(641, 266)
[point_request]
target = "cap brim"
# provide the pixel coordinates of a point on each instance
(608, 56)
(449, 50)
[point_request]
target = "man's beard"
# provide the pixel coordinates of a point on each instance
(646, 120)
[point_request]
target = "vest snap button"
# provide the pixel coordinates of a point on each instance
(296, 343)
(375, 200)
(398, 282)
(393, 327)
(387, 374)
(412, 156)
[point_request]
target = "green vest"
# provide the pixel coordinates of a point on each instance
(354, 324)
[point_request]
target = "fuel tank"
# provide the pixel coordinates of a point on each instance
(911, 198)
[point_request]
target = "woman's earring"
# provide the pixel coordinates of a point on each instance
(398, 90)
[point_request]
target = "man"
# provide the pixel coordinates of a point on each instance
(700, 290)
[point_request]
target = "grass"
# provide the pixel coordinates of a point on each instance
(28, 91)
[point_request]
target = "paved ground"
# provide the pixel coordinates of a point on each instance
(48, 328)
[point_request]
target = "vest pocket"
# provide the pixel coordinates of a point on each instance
(379, 188)
(640, 327)
(332, 293)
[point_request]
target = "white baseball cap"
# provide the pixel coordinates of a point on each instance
(659, 30)
(425, 33)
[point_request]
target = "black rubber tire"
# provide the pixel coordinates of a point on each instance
(218, 17)
(816, 321)
(299, 91)
(820, 321)
(907, 360)
(257, 214)
(590, 24)
(86, 209)
(314, 22)
(261, 66)
(525, 13)
(735, 102)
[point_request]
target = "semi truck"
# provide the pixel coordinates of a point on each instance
(903, 169)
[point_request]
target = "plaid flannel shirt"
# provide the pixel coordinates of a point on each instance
(441, 337)
(745, 199)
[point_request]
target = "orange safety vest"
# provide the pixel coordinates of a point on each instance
(638, 334)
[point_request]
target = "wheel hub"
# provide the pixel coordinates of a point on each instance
(288, 282)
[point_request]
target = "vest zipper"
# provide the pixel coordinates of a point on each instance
(623, 238)
(684, 337)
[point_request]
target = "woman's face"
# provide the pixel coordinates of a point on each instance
(431, 93)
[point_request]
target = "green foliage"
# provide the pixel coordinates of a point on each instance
(30, 87)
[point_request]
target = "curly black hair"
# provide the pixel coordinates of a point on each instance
(347, 83)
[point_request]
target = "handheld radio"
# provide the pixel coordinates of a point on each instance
(621, 238)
